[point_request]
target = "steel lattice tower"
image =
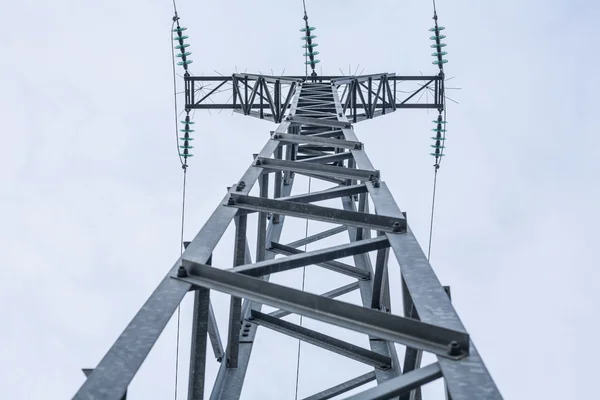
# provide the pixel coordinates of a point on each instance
(315, 138)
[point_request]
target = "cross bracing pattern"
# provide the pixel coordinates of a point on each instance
(315, 138)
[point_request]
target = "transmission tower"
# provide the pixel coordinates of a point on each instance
(315, 137)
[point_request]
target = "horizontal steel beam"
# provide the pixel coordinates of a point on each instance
(330, 171)
(229, 106)
(309, 258)
(268, 78)
(444, 342)
(346, 80)
(319, 213)
(321, 340)
(317, 122)
(402, 384)
(331, 265)
(390, 77)
(319, 141)
(343, 387)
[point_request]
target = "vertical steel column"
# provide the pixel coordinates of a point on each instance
(235, 310)
(262, 220)
(198, 349)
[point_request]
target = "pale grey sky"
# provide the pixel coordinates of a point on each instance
(91, 183)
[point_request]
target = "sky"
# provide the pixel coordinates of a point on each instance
(91, 184)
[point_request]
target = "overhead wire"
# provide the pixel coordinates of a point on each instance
(441, 124)
(306, 225)
(182, 157)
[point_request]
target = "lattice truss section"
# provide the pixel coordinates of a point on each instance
(269, 97)
(314, 139)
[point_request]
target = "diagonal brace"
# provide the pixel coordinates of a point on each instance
(402, 384)
(334, 193)
(343, 387)
(309, 258)
(331, 265)
(331, 294)
(321, 340)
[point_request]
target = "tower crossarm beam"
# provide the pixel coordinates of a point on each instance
(269, 97)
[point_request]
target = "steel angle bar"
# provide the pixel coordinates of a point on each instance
(333, 193)
(267, 78)
(115, 371)
(88, 371)
(328, 133)
(318, 339)
(214, 335)
(304, 147)
(332, 294)
(331, 265)
(318, 236)
(379, 279)
(360, 78)
(402, 384)
(198, 348)
(307, 139)
(391, 327)
(318, 213)
(343, 387)
(309, 258)
(235, 309)
(326, 178)
(316, 169)
(317, 122)
(327, 158)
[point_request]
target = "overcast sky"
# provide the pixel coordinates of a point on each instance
(91, 183)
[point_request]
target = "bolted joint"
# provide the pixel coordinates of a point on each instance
(240, 186)
(230, 201)
(358, 146)
(375, 181)
(182, 272)
(397, 227)
(257, 162)
(454, 348)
